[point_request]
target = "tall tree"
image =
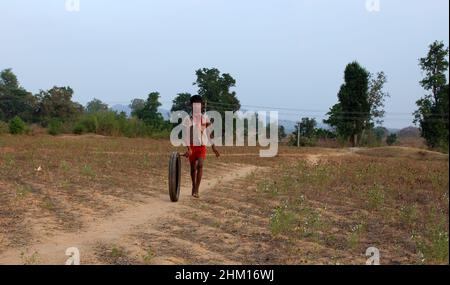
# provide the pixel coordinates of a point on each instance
(181, 102)
(95, 106)
(377, 97)
(215, 89)
(307, 127)
(432, 113)
(14, 100)
(136, 104)
(149, 113)
(352, 114)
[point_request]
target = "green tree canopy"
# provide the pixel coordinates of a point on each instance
(95, 106)
(181, 102)
(57, 103)
(149, 113)
(432, 113)
(136, 105)
(14, 100)
(351, 115)
(215, 87)
(377, 97)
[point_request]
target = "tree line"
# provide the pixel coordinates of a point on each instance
(55, 109)
(356, 118)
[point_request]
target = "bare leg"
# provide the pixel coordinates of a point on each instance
(198, 180)
(193, 175)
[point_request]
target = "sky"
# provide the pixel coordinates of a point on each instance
(282, 53)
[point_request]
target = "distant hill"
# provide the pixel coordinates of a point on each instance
(409, 132)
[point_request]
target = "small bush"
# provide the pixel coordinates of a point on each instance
(17, 126)
(281, 221)
(3, 128)
(391, 139)
(78, 129)
(55, 127)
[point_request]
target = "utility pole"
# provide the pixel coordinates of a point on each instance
(298, 134)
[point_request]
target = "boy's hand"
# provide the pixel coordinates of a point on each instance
(216, 152)
(188, 153)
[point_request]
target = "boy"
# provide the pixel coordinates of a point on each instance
(196, 146)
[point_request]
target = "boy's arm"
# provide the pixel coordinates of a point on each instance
(216, 152)
(187, 130)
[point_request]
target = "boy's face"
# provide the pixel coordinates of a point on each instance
(197, 108)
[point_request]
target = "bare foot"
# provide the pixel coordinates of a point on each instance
(195, 195)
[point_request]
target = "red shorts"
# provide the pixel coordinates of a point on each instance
(197, 152)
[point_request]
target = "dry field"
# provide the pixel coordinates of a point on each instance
(109, 198)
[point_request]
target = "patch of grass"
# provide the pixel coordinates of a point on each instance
(268, 187)
(23, 190)
(375, 197)
(88, 171)
(48, 204)
(282, 220)
(32, 259)
(311, 224)
(113, 254)
(65, 166)
(354, 236)
(148, 256)
(409, 215)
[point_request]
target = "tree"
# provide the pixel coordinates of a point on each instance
(432, 113)
(352, 114)
(307, 127)
(215, 89)
(377, 97)
(149, 113)
(17, 126)
(281, 132)
(57, 103)
(181, 102)
(136, 105)
(14, 100)
(307, 132)
(391, 139)
(96, 106)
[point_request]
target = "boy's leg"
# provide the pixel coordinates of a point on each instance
(193, 174)
(199, 170)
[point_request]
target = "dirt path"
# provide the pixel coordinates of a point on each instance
(51, 250)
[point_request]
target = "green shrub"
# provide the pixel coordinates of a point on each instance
(17, 126)
(3, 128)
(55, 127)
(78, 129)
(110, 123)
(391, 139)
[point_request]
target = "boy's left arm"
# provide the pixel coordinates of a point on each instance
(211, 137)
(216, 152)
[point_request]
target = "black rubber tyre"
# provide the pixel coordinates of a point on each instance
(174, 176)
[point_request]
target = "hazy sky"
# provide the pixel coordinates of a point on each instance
(283, 53)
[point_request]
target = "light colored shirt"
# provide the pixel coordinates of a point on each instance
(196, 127)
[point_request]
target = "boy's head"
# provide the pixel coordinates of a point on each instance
(197, 104)
(196, 99)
